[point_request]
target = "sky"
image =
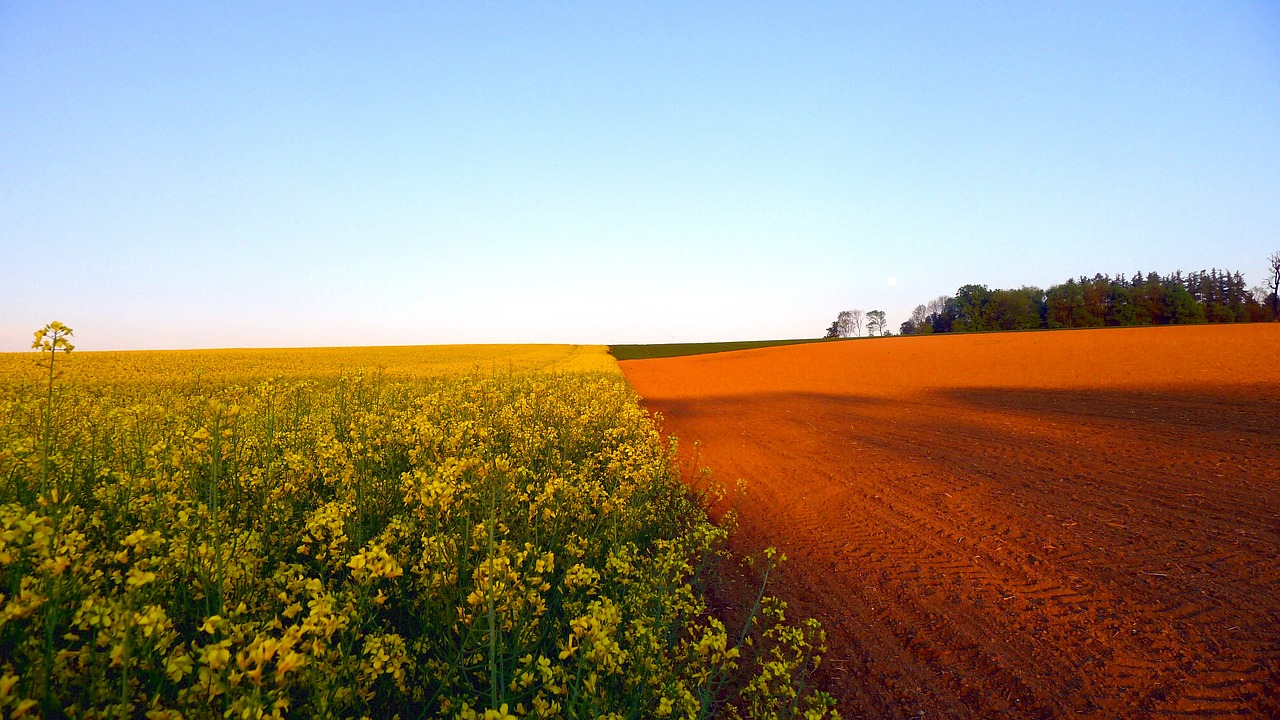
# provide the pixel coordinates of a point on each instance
(189, 175)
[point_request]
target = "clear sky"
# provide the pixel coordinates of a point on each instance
(218, 174)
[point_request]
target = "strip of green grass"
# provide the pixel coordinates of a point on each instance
(665, 350)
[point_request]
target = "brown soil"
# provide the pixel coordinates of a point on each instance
(1035, 524)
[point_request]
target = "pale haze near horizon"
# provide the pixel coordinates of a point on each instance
(232, 175)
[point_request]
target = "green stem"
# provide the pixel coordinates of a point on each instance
(51, 612)
(214, 510)
(493, 637)
(128, 637)
(709, 697)
(48, 424)
(746, 629)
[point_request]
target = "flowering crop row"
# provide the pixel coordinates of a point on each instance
(489, 545)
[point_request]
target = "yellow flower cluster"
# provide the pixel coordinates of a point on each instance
(499, 544)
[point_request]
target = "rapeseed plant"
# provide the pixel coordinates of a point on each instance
(475, 544)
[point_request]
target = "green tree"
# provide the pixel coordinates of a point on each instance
(1021, 309)
(1064, 305)
(1122, 311)
(1094, 312)
(876, 323)
(1181, 306)
(969, 308)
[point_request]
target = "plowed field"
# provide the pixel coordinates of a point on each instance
(1039, 524)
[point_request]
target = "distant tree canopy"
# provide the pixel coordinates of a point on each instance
(1215, 296)
(848, 324)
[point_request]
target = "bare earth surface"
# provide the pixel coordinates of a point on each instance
(1040, 524)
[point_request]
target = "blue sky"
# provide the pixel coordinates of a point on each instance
(275, 174)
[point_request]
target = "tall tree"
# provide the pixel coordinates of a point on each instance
(970, 304)
(844, 323)
(919, 321)
(938, 318)
(1095, 300)
(857, 322)
(1021, 309)
(1274, 283)
(1148, 301)
(876, 322)
(1257, 304)
(1121, 309)
(1181, 306)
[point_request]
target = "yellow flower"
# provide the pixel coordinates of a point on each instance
(23, 707)
(178, 665)
(569, 649)
(6, 685)
(499, 714)
(138, 578)
(217, 657)
(288, 661)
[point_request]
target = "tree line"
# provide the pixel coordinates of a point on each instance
(849, 324)
(1213, 296)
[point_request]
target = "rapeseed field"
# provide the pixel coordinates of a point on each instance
(482, 532)
(193, 367)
